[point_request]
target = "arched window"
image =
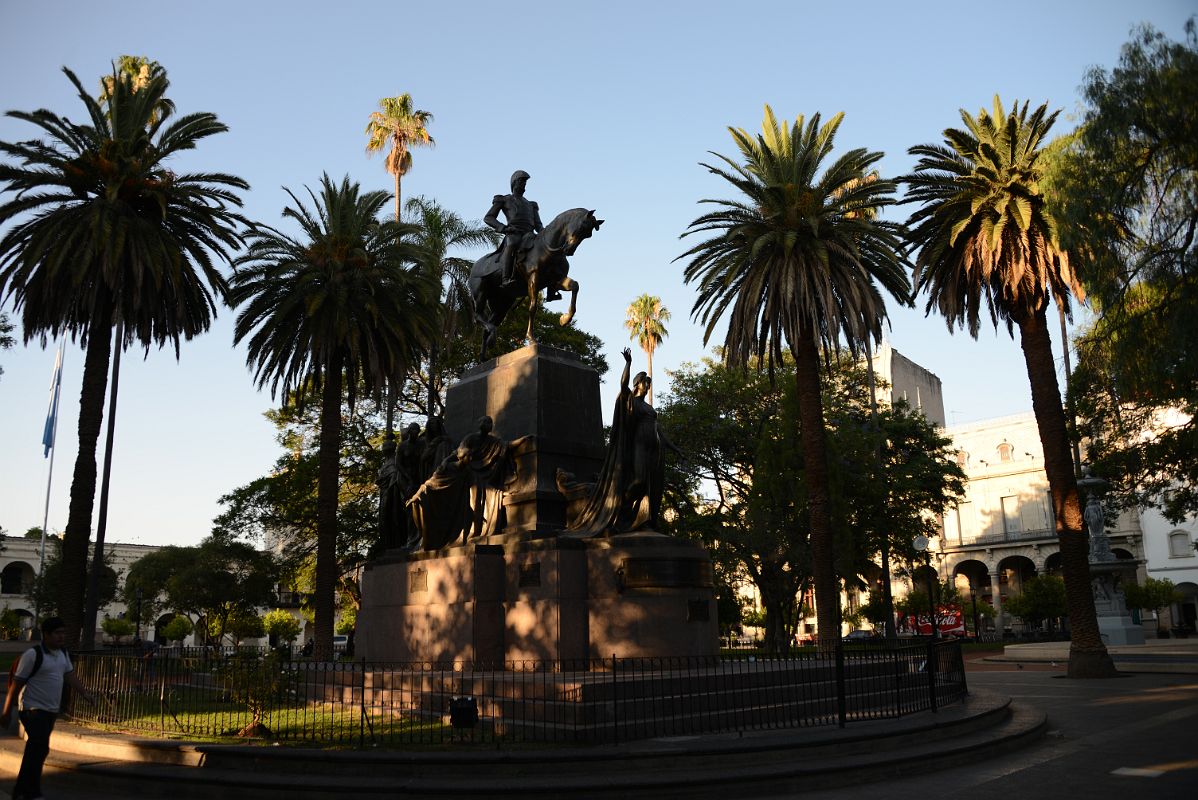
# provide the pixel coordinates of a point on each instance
(1006, 451)
(1179, 545)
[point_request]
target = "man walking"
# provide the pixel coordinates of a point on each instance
(38, 681)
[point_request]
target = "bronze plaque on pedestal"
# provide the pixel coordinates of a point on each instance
(666, 573)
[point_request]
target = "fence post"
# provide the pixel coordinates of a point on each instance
(362, 700)
(931, 668)
(615, 703)
(842, 699)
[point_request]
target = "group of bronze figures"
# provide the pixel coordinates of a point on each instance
(434, 492)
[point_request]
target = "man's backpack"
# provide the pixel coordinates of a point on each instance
(39, 656)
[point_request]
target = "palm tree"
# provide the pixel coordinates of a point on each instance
(327, 310)
(105, 234)
(401, 127)
(988, 242)
(646, 323)
(796, 264)
(440, 231)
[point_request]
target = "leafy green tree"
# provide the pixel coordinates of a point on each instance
(33, 533)
(398, 125)
(327, 310)
(10, 624)
(743, 491)
(47, 587)
(177, 629)
(282, 504)
(104, 231)
(646, 323)
(281, 625)
(796, 263)
(242, 624)
(1125, 187)
(261, 684)
(510, 336)
(348, 621)
(988, 242)
(1153, 594)
(214, 580)
(117, 628)
(916, 600)
(1043, 598)
(739, 490)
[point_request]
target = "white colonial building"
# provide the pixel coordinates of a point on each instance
(1172, 552)
(19, 563)
(1003, 533)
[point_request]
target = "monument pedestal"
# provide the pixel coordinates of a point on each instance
(1115, 624)
(559, 598)
(541, 392)
(535, 591)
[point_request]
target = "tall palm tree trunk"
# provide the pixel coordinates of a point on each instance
(649, 352)
(83, 483)
(1088, 657)
(815, 469)
(397, 197)
(433, 397)
(327, 491)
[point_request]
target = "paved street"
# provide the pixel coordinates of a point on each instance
(1126, 737)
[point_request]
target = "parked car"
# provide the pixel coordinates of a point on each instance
(860, 636)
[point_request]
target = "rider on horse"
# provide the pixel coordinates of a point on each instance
(523, 219)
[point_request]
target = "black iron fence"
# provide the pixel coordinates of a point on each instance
(241, 694)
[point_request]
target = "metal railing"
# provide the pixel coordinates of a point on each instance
(1003, 538)
(360, 704)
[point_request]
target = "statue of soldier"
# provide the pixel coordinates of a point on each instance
(523, 219)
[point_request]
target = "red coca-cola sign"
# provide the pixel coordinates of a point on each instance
(949, 620)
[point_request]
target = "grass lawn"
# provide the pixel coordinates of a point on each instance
(212, 718)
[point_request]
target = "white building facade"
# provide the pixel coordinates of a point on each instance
(1003, 533)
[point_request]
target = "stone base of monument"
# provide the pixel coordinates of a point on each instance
(535, 592)
(1115, 624)
(556, 598)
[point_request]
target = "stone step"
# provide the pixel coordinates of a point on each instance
(732, 765)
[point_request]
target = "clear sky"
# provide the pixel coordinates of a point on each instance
(608, 105)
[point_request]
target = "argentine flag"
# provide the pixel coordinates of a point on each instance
(52, 412)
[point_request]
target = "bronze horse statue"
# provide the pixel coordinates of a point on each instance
(541, 264)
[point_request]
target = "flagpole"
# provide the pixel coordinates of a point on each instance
(49, 439)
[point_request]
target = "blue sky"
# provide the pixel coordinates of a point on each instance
(610, 106)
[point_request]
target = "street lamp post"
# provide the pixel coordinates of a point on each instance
(973, 599)
(137, 611)
(921, 544)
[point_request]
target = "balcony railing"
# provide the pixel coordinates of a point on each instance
(1007, 537)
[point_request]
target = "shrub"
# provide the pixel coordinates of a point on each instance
(117, 628)
(177, 629)
(260, 683)
(281, 625)
(10, 624)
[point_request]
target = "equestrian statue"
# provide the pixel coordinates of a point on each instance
(531, 259)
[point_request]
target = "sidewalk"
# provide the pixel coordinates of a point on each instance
(1175, 656)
